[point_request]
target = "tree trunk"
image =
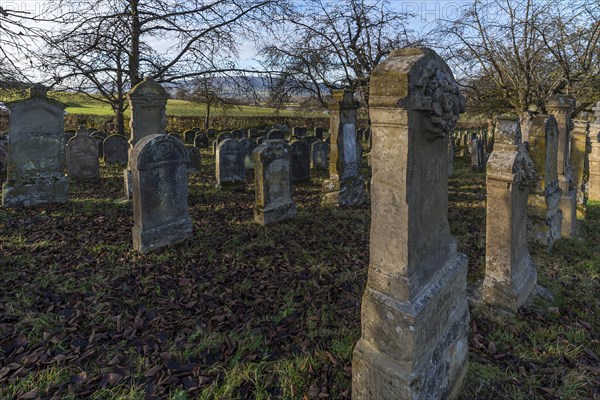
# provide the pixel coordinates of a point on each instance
(120, 118)
(134, 53)
(207, 119)
(525, 119)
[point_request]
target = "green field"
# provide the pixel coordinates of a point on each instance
(82, 104)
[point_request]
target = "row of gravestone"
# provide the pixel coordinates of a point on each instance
(83, 149)
(233, 157)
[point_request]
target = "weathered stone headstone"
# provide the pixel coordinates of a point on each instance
(477, 155)
(561, 106)
(415, 316)
(82, 156)
(319, 152)
(189, 135)
(3, 157)
(451, 149)
(247, 146)
(275, 134)
(229, 162)
(544, 197)
(36, 152)
(319, 133)
(210, 133)
(579, 161)
(148, 105)
(221, 137)
(260, 140)
(274, 201)
(300, 161)
(116, 150)
(201, 140)
(176, 135)
(161, 217)
(238, 133)
(297, 131)
(510, 274)
(195, 161)
(345, 187)
(252, 133)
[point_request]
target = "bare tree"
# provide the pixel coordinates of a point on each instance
(107, 47)
(514, 54)
(327, 45)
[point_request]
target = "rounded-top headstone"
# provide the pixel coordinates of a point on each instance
(148, 88)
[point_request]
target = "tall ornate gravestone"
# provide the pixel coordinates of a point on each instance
(36, 152)
(161, 217)
(561, 106)
(345, 187)
(594, 176)
(116, 150)
(83, 156)
(510, 274)
(148, 105)
(229, 165)
(415, 316)
(544, 196)
(579, 161)
(274, 201)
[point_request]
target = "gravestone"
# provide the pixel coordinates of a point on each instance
(201, 140)
(561, 106)
(510, 274)
(275, 134)
(189, 135)
(345, 187)
(221, 137)
(319, 133)
(252, 133)
(300, 161)
(3, 156)
(477, 155)
(116, 150)
(247, 146)
(36, 152)
(544, 196)
(82, 156)
(273, 187)
(229, 166)
(415, 315)
(308, 140)
(297, 132)
(451, 149)
(195, 162)
(176, 135)
(260, 140)
(238, 134)
(319, 152)
(360, 134)
(148, 105)
(100, 136)
(210, 133)
(161, 217)
(579, 161)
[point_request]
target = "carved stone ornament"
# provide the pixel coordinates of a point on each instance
(440, 99)
(524, 170)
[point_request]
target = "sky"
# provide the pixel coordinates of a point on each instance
(426, 12)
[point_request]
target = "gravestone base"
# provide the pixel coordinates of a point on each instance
(545, 219)
(20, 194)
(514, 292)
(568, 205)
(423, 343)
(272, 215)
(149, 239)
(344, 193)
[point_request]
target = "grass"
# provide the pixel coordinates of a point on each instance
(250, 312)
(82, 104)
